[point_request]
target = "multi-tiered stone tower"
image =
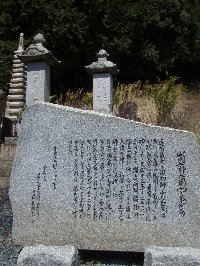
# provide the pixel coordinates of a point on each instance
(16, 97)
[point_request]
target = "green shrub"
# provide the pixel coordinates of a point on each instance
(166, 95)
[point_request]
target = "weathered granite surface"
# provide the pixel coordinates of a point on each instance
(167, 256)
(103, 93)
(103, 183)
(38, 82)
(48, 256)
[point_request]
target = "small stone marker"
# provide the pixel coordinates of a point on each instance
(48, 256)
(102, 72)
(128, 110)
(103, 183)
(174, 256)
(38, 60)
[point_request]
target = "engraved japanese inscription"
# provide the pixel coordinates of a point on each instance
(40, 179)
(123, 179)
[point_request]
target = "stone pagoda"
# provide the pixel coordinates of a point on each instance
(16, 97)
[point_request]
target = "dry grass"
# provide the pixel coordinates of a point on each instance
(139, 94)
(184, 116)
(189, 112)
(78, 99)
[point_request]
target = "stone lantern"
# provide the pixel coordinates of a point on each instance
(38, 60)
(103, 72)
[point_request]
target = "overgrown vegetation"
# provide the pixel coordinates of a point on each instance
(77, 99)
(165, 103)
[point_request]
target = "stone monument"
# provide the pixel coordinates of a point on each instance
(103, 183)
(38, 60)
(103, 72)
(16, 97)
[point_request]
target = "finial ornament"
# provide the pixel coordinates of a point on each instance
(37, 47)
(102, 65)
(102, 54)
(21, 43)
(39, 38)
(37, 52)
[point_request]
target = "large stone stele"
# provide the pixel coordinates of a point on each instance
(101, 182)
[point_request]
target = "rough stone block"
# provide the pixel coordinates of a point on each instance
(48, 256)
(103, 183)
(171, 256)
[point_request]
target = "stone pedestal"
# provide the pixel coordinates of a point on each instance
(103, 72)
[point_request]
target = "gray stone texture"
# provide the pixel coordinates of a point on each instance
(171, 256)
(38, 82)
(103, 183)
(103, 93)
(48, 256)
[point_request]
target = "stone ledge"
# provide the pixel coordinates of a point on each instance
(48, 255)
(171, 256)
